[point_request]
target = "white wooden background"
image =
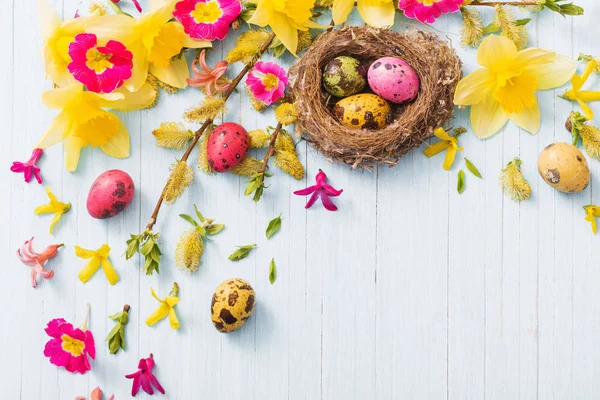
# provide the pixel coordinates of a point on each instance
(410, 291)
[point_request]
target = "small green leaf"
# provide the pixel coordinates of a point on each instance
(188, 219)
(133, 246)
(199, 214)
(272, 271)
(472, 168)
(116, 337)
(523, 22)
(214, 229)
(241, 253)
(258, 194)
(273, 226)
(460, 186)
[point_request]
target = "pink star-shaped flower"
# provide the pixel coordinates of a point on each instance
(28, 168)
(320, 190)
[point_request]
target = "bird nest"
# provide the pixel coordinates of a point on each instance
(434, 60)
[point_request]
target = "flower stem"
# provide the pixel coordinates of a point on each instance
(198, 134)
(84, 326)
(271, 149)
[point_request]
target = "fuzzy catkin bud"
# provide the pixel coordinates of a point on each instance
(289, 163)
(182, 176)
(189, 251)
(171, 135)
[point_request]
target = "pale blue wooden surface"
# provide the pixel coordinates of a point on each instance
(410, 291)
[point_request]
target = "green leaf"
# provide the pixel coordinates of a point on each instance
(472, 168)
(273, 226)
(460, 186)
(147, 246)
(133, 246)
(272, 271)
(258, 194)
(188, 219)
(241, 253)
(214, 229)
(523, 22)
(116, 337)
(199, 214)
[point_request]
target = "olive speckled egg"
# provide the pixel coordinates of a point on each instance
(564, 167)
(363, 111)
(393, 79)
(227, 146)
(232, 305)
(344, 76)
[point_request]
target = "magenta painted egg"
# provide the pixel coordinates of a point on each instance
(393, 79)
(227, 146)
(110, 193)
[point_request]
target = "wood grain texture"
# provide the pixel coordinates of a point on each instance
(410, 291)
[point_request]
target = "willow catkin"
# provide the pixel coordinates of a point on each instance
(203, 164)
(209, 108)
(288, 163)
(189, 251)
(248, 167)
(171, 135)
(513, 183)
(258, 138)
(285, 142)
(182, 176)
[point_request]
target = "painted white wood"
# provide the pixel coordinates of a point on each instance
(410, 291)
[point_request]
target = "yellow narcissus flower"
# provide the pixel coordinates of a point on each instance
(83, 120)
(505, 88)
(286, 18)
(379, 13)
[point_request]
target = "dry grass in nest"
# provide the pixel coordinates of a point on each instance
(435, 62)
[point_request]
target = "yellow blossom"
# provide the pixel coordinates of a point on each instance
(209, 108)
(167, 307)
(97, 258)
(591, 213)
(189, 251)
(379, 13)
(448, 143)
(286, 18)
(259, 138)
(286, 113)
(505, 87)
(54, 206)
(583, 96)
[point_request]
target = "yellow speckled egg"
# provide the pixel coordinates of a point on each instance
(363, 111)
(564, 167)
(232, 305)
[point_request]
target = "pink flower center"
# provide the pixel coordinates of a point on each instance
(271, 81)
(97, 61)
(207, 13)
(73, 346)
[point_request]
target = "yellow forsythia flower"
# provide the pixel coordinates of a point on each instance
(591, 213)
(448, 143)
(583, 96)
(167, 307)
(97, 258)
(54, 206)
(513, 182)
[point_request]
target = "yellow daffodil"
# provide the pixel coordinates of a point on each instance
(286, 18)
(448, 143)
(505, 88)
(84, 121)
(54, 206)
(583, 96)
(591, 213)
(97, 258)
(379, 13)
(167, 307)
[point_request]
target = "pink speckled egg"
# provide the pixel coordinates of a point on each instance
(227, 146)
(393, 79)
(110, 193)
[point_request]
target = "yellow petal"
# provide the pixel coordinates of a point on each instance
(487, 117)
(141, 99)
(285, 32)
(54, 221)
(117, 145)
(84, 253)
(49, 19)
(139, 72)
(72, 148)
(161, 312)
(263, 14)
(441, 134)
(533, 56)
(173, 319)
(341, 9)
(153, 293)
(528, 118)
(436, 148)
(164, 14)
(44, 209)
(472, 88)
(89, 270)
(496, 52)
(380, 14)
(172, 300)
(59, 98)
(112, 26)
(449, 160)
(553, 74)
(109, 271)
(589, 68)
(59, 129)
(588, 95)
(174, 74)
(587, 111)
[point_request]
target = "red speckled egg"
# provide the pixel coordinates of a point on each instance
(110, 193)
(227, 146)
(393, 79)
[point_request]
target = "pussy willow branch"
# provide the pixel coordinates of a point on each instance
(271, 149)
(504, 3)
(198, 134)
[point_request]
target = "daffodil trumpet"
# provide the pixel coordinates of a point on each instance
(97, 258)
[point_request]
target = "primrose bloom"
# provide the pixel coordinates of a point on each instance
(69, 347)
(267, 81)
(426, 11)
(101, 69)
(379, 13)
(207, 19)
(505, 87)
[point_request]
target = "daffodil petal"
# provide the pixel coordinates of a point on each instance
(450, 156)
(341, 9)
(139, 73)
(173, 319)
(112, 26)
(109, 271)
(496, 52)
(174, 74)
(161, 312)
(141, 99)
(262, 14)
(285, 32)
(117, 145)
(58, 130)
(380, 15)
(553, 74)
(487, 117)
(89, 269)
(436, 148)
(533, 56)
(58, 98)
(528, 118)
(48, 18)
(72, 148)
(474, 87)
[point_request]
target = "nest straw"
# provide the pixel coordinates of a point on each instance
(435, 62)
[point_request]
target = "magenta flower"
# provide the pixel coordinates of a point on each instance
(30, 257)
(267, 81)
(320, 190)
(426, 11)
(101, 69)
(28, 168)
(208, 77)
(207, 19)
(144, 378)
(69, 346)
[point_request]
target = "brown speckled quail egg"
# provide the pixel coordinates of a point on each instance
(564, 167)
(232, 305)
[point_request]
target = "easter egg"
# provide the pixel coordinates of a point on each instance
(227, 146)
(363, 111)
(564, 167)
(232, 304)
(393, 79)
(110, 193)
(344, 76)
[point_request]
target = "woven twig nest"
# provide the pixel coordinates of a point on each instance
(435, 62)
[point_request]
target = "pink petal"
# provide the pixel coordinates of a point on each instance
(313, 199)
(146, 385)
(156, 384)
(53, 328)
(307, 191)
(90, 346)
(328, 203)
(17, 166)
(33, 279)
(330, 191)
(137, 5)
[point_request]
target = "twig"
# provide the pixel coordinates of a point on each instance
(271, 149)
(504, 3)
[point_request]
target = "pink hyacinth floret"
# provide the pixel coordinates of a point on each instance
(30, 257)
(101, 69)
(267, 81)
(69, 346)
(426, 11)
(207, 19)
(29, 167)
(321, 190)
(95, 395)
(206, 77)
(143, 378)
